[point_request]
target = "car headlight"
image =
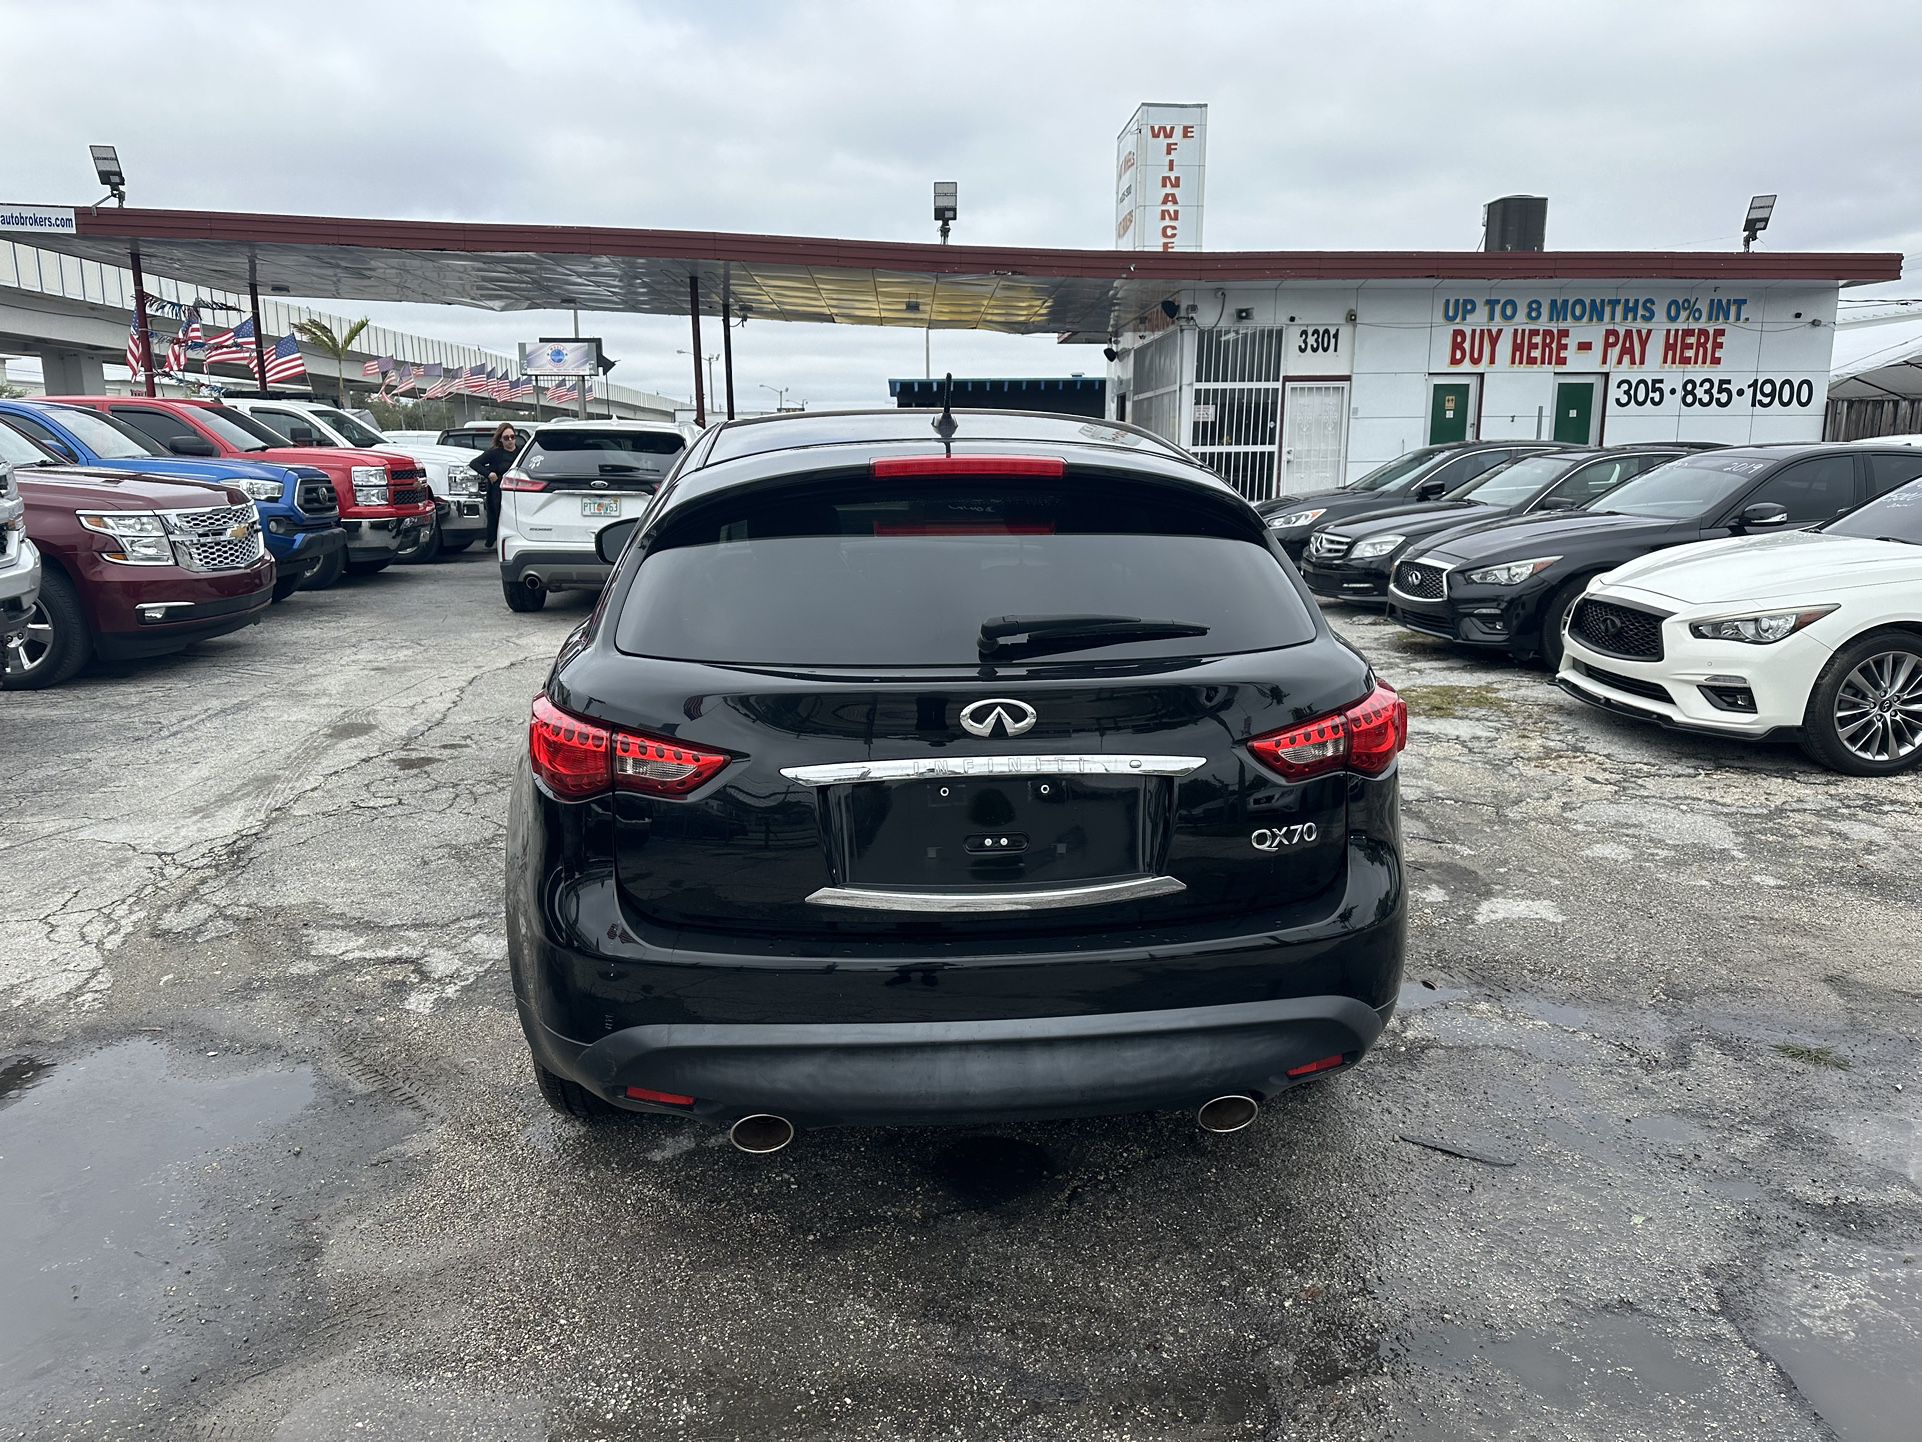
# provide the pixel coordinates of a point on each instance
(1761, 629)
(1511, 573)
(1293, 519)
(370, 485)
(141, 536)
(260, 489)
(1375, 546)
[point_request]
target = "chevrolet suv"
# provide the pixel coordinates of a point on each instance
(911, 777)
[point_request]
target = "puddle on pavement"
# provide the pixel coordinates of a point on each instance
(110, 1177)
(1418, 995)
(1848, 1332)
(987, 1172)
(1609, 1364)
(19, 1074)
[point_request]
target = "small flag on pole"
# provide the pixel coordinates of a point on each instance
(284, 361)
(233, 347)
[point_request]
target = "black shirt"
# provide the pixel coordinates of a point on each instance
(496, 461)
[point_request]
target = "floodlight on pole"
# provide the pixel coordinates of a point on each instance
(106, 165)
(1760, 208)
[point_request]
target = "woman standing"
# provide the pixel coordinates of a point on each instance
(492, 464)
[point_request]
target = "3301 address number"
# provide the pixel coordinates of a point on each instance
(1714, 394)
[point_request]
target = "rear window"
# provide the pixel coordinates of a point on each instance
(849, 577)
(615, 457)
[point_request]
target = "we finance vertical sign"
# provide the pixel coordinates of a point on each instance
(1160, 166)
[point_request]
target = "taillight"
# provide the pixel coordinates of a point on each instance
(970, 466)
(569, 754)
(1365, 737)
(576, 758)
(518, 480)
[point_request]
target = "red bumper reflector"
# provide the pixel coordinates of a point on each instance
(1327, 1063)
(970, 466)
(670, 1099)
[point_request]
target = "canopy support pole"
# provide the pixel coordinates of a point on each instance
(727, 335)
(260, 344)
(140, 318)
(694, 310)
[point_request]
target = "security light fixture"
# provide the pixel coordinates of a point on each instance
(1110, 352)
(1760, 208)
(106, 165)
(1170, 309)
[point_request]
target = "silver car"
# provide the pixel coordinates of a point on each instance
(19, 570)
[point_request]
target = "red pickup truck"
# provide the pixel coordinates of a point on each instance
(384, 498)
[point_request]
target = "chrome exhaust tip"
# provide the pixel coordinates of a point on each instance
(761, 1133)
(1227, 1114)
(533, 582)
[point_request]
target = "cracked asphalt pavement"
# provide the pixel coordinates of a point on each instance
(1640, 1156)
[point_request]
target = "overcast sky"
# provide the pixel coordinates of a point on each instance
(1356, 126)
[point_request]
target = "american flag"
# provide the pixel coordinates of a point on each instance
(284, 361)
(380, 367)
(185, 343)
(233, 347)
(521, 389)
(133, 348)
(440, 381)
(497, 384)
(472, 381)
(561, 393)
(403, 378)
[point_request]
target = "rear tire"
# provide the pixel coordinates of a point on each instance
(454, 548)
(521, 597)
(569, 1098)
(59, 642)
(1851, 684)
(328, 572)
(368, 568)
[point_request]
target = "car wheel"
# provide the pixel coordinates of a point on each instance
(328, 572)
(58, 642)
(522, 598)
(428, 548)
(1554, 614)
(1864, 716)
(454, 548)
(368, 568)
(568, 1097)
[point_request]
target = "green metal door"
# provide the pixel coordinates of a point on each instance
(1447, 413)
(1575, 412)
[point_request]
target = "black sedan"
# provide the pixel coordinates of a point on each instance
(1426, 474)
(1351, 561)
(1510, 586)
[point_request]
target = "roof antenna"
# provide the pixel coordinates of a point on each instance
(944, 425)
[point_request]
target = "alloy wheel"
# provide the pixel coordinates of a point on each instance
(32, 652)
(1878, 707)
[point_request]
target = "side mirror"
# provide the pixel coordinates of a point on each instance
(192, 446)
(1430, 490)
(610, 541)
(1762, 516)
(1558, 503)
(61, 449)
(302, 436)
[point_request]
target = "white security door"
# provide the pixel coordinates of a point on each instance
(1314, 436)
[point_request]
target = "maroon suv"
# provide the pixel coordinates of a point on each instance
(133, 566)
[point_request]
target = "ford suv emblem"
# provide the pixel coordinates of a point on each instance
(981, 718)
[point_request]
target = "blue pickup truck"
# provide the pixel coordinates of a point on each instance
(299, 514)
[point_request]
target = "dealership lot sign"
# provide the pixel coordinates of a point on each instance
(1160, 166)
(41, 219)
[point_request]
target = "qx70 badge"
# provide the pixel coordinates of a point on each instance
(998, 714)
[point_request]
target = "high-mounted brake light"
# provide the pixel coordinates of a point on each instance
(1365, 738)
(970, 466)
(576, 758)
(521, 481)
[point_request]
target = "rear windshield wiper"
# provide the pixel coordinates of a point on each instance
(615, 468)
(1033, 635)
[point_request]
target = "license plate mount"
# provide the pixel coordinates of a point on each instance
(600, 505)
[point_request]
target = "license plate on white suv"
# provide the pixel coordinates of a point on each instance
(600, 505)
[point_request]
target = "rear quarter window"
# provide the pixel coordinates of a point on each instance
(846, 574)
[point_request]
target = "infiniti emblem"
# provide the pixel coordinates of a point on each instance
(1414, 576)
(982, 718)
(1610, 625)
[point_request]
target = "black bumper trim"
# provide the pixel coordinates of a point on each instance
(1620, 707)
(558, 570)
(966, 1071)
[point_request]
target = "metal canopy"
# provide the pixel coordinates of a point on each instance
(1892, 372)
(1083, 293)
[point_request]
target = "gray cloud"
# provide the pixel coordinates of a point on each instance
(1361, 126)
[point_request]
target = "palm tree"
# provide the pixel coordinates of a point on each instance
(320, 335)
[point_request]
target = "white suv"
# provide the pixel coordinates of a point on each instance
(459, 512)
(19, 573)
(570, 479)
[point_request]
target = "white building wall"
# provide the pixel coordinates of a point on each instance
(1745, 361)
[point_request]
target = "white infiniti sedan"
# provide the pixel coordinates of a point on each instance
(1814, 636)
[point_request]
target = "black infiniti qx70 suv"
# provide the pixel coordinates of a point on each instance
(896, 779)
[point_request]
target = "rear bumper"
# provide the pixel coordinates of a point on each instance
(558, 569)
(968, 1071)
